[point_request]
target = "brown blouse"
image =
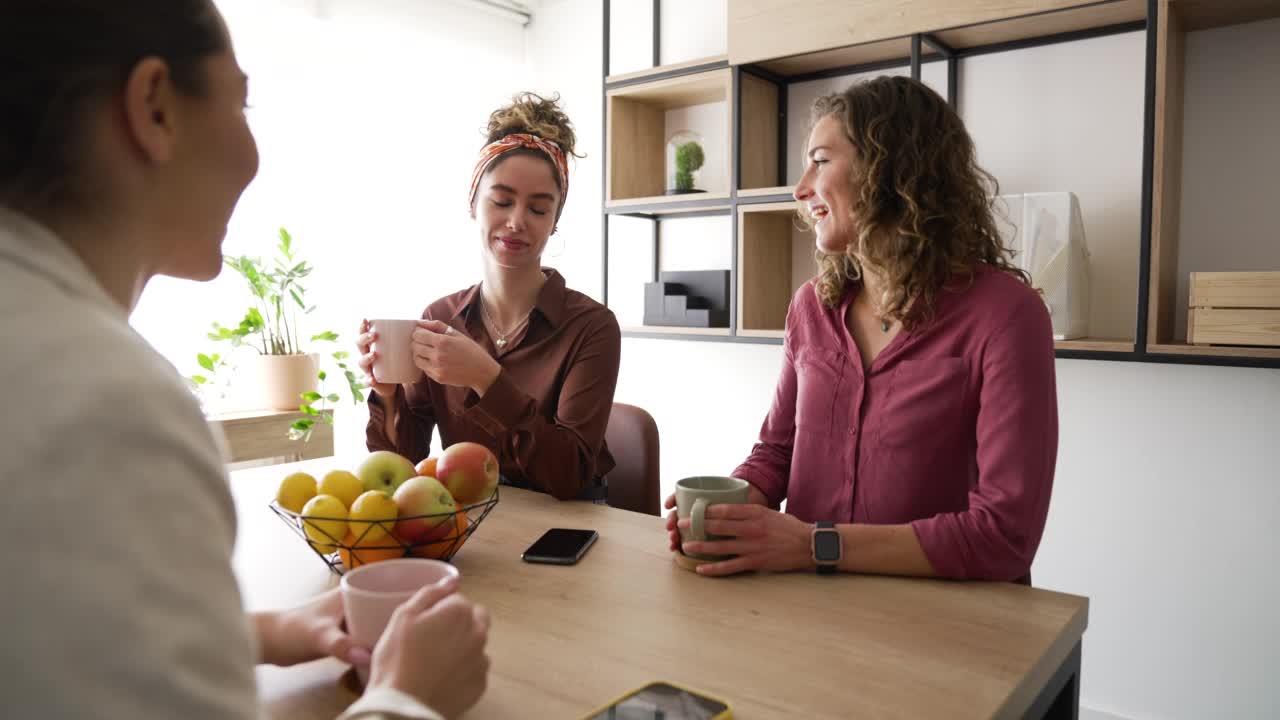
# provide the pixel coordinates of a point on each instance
(545, 415)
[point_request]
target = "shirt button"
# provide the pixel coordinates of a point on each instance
(853, 429)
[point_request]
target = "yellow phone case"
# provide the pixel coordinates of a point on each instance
(727, 714)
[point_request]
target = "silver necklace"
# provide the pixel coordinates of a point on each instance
(501, 342)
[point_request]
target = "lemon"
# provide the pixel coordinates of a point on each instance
(373, 514)
(295, 490)
(324, 519)
(342, 485)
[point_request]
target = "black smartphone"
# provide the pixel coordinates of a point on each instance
(560, 546)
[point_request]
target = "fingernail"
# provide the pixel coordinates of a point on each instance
(359, 656)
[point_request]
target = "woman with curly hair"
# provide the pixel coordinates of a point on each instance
(519, 362)
(916, 414)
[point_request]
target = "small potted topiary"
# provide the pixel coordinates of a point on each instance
(684, 158)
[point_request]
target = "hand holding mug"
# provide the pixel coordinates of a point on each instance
(452, 358)
(433, 649)
(754, 497)
(367, 357)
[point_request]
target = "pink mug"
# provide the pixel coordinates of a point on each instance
(395, 357)
(371, 593)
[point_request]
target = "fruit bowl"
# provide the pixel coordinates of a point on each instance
(369, 541)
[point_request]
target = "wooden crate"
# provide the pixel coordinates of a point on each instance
(1234, 308)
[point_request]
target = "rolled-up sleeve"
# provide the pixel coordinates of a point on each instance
(1017, 445)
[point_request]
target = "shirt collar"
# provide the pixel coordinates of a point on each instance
(29, 244)
(550, 302)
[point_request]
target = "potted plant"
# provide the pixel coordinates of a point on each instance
(289, 376)
(684, 158)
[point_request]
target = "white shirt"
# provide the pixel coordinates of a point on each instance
(116, 523)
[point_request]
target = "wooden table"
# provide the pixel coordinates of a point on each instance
(566, 639)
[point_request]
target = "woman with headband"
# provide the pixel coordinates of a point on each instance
(519, 362)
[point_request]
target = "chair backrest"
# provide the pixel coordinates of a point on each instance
(632, 437)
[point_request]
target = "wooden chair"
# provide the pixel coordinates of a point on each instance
(632, 437)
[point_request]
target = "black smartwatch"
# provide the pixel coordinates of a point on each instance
(827, 547)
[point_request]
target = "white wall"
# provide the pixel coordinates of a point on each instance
(1166, 485)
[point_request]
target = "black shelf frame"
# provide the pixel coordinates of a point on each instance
(925, 48)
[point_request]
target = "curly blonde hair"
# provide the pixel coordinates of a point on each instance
(922, 208)
(533, 114)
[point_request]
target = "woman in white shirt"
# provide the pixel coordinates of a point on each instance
(123, 151)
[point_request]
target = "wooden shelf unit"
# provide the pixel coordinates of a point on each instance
(1095, 345)
(635, 140)
(775, 42)
(670, 69)
(775, 257)
(671, 204)
(671, 330)
(793, 39)
(1166, 336)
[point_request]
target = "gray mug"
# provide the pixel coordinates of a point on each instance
(695, 494)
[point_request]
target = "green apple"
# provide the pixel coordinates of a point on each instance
(384, 471)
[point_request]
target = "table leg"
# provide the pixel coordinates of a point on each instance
(1060, 698)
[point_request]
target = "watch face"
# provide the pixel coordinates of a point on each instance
(826, 546)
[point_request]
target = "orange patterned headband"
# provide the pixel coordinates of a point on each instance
(519, 140)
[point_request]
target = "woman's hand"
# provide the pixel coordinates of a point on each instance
(754, 497)
(433, 649)
(762, 538)
(364, 342)
(452, 358)
(307, 632)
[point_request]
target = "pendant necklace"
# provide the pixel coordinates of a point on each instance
(501, 342)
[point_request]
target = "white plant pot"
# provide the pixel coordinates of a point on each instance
(279, 380)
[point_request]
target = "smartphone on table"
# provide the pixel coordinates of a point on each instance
(560, 546)
(663, 701)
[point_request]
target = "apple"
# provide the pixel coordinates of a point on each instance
(423, 496)
(469, 471)
(449, 542)
(384, 471)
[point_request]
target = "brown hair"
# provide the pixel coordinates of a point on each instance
(59, 56)
(533, 114)
(922, 208)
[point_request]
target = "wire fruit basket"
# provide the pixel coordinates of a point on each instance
(368, 541)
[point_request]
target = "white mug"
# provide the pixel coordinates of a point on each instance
(371, 593)
(395, 357)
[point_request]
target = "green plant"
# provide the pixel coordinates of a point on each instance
(270, 327)
(689, 158)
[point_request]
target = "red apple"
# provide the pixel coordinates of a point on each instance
(423, 496)
(469, 471)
